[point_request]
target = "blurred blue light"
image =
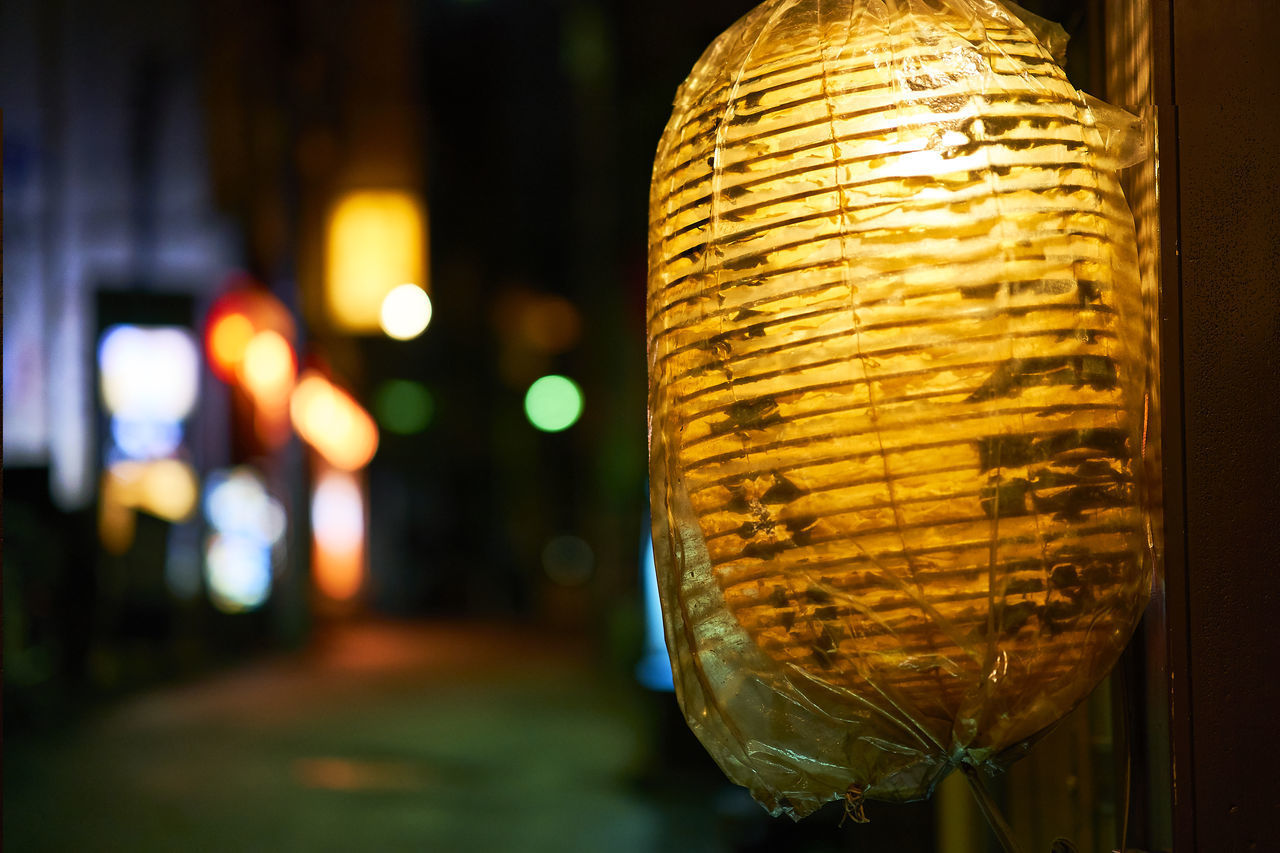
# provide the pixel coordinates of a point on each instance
(238, 572)
(237, 502)
(139, 439)
(654, 669)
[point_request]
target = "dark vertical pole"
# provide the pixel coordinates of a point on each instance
(1173, 440)
(1174, 588)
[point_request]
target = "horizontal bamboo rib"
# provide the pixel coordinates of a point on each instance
(745, 270)
(1053, 270)
(698, 361)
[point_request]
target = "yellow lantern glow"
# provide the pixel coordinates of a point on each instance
(896, 388)
(376, 242)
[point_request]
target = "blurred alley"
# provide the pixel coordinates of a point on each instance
(393, 737)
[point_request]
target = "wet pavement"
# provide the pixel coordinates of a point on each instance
(399, 737)
(382, 738)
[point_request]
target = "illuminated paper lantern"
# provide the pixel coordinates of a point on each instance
(897, 380)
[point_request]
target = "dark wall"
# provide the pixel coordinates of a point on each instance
(1224, 594)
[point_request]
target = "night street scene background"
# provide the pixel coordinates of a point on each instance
(413, 610)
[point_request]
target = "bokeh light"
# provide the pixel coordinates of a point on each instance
(531, 326)
(235, 318)
(149, 373)
(145, 439)
(268, 368)
(229, 336)
(117, 519)
(551, 324)
(654, 668)
(332, 422)
(553, 403)
(376, 241)
(406, 311)
(237, 571)
(338, 534)
(568, 560)
(531, 320)
(237, 501)
(248, 523)
(403, 407)
(165, 488)
(169, 489)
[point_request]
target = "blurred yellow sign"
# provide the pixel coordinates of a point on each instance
(376, 241)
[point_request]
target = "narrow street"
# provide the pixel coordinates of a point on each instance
(381, 738)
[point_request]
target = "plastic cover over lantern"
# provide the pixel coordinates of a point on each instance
(897, 375)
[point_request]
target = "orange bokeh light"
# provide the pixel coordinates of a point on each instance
(229, 336)
(338, 534)
(268, 368)
(331, 421)
(235, 318)
(337, 574)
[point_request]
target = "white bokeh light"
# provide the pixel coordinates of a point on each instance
(406, 311)
(237, 502)
(149, 374)
(337, 512)
(238, 572)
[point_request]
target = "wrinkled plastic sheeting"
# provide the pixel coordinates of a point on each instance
(897, 377)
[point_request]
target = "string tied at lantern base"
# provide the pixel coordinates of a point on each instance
(854, 806)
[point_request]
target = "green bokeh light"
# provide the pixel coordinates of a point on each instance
(553, 403)
(403, 407)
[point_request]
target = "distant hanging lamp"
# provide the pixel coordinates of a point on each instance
(896, 394)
